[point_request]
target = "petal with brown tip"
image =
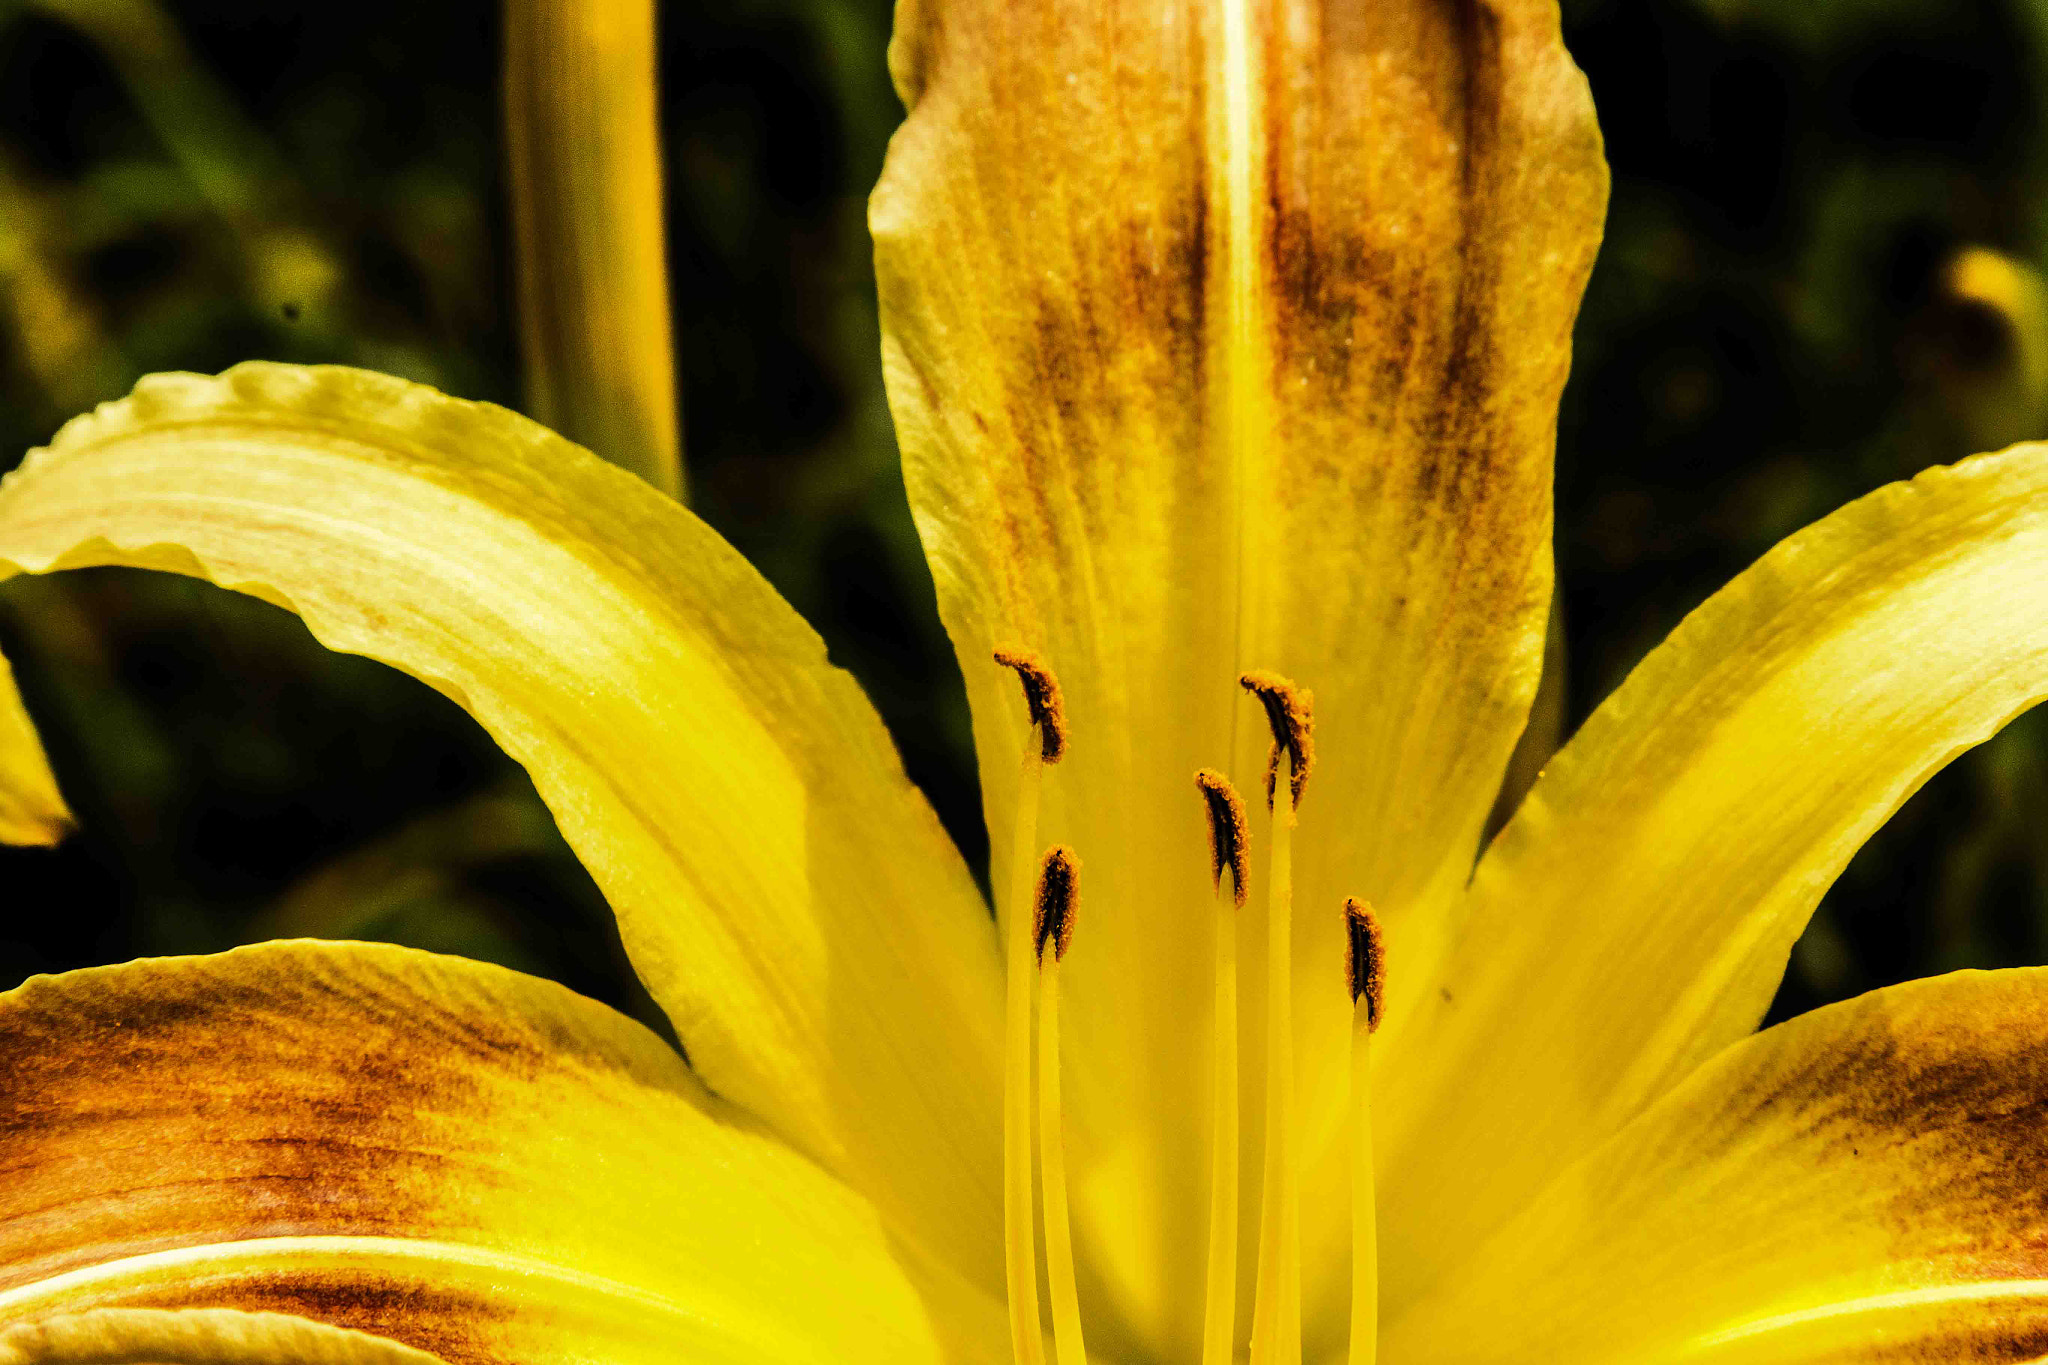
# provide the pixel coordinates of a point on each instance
(1862, 1184)
(475, 1163)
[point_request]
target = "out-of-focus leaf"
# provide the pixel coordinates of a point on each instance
(1818, 23)
(231, 163)
(421, 862)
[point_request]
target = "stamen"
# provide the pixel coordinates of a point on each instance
(1229, 833)
(1365, 963)
(1052, 920)
(1290, 714)
(1228, 836)
(1045, 743)
(1058, 902)
(1041, 697)
(1276, 1311)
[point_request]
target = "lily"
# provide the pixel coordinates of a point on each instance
(1224, 342)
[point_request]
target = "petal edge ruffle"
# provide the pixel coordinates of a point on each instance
(195, 1336)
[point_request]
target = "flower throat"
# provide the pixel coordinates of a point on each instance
(1034, 946)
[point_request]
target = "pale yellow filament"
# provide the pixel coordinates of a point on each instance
(1221, 1318)
(1020, 1249)
(1365, 1239)
(1276, 1311)
(1052, 1173)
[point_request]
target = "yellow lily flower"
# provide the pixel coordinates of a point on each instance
(1224, 341)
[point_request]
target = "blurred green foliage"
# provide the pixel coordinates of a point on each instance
(1786, 315)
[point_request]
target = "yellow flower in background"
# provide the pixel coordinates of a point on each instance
(1224, 341)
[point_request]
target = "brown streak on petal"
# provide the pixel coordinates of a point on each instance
(163, 1109)
(1963, 1101)
(118, 1135)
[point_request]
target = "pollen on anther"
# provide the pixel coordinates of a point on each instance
(1057, 903)
(1228, 833)
(1365, 959)
(1290, 714)
(1041, 698)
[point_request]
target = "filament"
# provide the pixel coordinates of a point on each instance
(1228, 837)
(1365, 1241)
(1020, 1251)
(1276, 1311)
(1221, 1316)
(1059, 1243)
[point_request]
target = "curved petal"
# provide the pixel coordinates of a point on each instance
(195, 1336)
(32, 810)
(1860, 1184)
(477, 1163)
(1636, 914)
(1229, 336)
(785, 893)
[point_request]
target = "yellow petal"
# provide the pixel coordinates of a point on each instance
(474, 1162)
(1636, 915)
(786, 894)
(1860, 1184)
(1229, 336)
(32, 810)
(586, 204)
(195, 1336)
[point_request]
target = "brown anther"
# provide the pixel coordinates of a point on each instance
(1228, 833)
(1365, 959)
(1290, 713)
(1041, 698)
(1058, 901)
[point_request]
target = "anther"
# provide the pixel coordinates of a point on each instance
(1228, 833)
(1290, 713)
(1057, 902)
(1365, 959)
(1041, 698)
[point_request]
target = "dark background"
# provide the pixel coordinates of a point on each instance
(1773, 329)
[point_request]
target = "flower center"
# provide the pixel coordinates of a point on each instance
(1051, 887)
